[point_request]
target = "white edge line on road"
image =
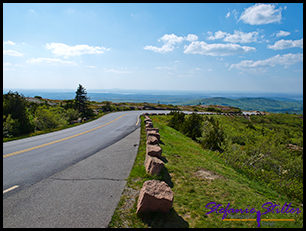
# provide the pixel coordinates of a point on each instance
(10, 189)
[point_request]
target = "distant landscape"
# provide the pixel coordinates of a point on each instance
(246, 101)
(258, 104)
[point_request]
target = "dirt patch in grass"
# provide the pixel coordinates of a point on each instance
(130, 195)
(207, 174)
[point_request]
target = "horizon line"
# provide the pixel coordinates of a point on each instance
(150, 90)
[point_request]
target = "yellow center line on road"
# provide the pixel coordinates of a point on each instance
(137, 120)
(10, 189)
(57, 141)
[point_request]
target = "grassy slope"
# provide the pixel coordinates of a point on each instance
(183, 159)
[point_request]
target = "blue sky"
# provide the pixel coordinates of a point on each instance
(202, 47)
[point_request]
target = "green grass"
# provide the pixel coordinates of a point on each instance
(184, 161)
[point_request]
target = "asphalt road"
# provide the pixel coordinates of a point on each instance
(70, 178)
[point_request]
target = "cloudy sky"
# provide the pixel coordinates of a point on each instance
(203, 47)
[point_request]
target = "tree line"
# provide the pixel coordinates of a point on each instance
(21, 117)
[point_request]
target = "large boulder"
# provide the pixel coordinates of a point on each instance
(154, 150)
(152, 129)
(153, 165)
(155, 196)
(153, 133)
(147, 119)
(149, 125)
(152, 140)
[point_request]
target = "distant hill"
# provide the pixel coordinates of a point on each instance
(259, 104)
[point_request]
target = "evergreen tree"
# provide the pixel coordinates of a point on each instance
(177, 120)
(192, 126)
(82, 102)
(212, 135)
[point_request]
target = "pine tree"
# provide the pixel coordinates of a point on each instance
(81, 102)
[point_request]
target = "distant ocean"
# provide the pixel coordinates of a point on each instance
(152, 96)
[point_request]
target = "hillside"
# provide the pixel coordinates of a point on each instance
(258, 104)
(199, 176)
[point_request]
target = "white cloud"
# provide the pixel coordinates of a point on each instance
(282, 33)
(261, 66)
(12, 53)
(8, 43)
(200, 47)
(171, 38)
(285, 44)
(235, 12)
(237, 37)
(169, 41)
(242, 37)
(259, 14)
(195, 70)
(169, 68)
(60, 49)
(51, 61)
(165, 48)
(91, 66)
(216, 49)
(117, 71)
(191, 37)
(218, 35)
(228, 14)
(16, 65)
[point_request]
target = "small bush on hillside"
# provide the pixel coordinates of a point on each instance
(192, 126)
(212, 134)
(47, 118)
(177, 120)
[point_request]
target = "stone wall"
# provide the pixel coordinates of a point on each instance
(154, 195)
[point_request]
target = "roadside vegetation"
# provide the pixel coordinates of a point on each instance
(26, 116)
(221, 173)
(22, 118)
(268, 148)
